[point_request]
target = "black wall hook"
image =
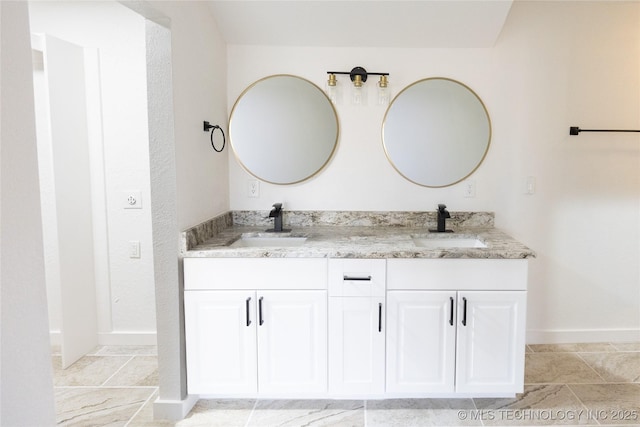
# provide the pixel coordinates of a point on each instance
(206, 126)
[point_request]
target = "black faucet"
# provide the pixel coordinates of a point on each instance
(443, 214)
(276, 214)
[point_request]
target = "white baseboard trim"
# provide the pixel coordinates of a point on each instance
(127, 338)
(173, 410)
(565, 336)
(114, 338)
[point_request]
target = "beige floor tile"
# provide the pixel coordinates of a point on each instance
(144, 418)
(421, 412)
(626, 346)
(87, 371)
(615, 367)
(140, 371)
(295, 413)
(550, 404)
(127, 350)
(557, 368)
(562, 380)
(610, 403)
(567, 348)
(219, 413)
(79, 406)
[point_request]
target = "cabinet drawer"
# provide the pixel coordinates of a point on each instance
(255, 273)
(357, 277)
(457, 274)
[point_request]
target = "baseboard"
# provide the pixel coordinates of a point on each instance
(562, 336)
(114, 338)
(127, 338)
(173, 410)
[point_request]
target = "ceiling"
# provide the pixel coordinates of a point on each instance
(362, 23)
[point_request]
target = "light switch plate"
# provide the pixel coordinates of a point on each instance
(134, 249)
(530, 185)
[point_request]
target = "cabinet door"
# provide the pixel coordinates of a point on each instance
(220, 333)
(356, 345)
(292, 342)
(491, 329)
(420, 341)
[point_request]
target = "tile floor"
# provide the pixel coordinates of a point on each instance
(565, 384)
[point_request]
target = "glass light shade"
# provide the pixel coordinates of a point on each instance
(334, 90)
(384, 91)
(358, 92)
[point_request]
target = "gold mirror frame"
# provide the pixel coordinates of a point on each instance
(283, 129)
(436, 132)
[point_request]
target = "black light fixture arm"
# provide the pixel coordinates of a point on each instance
(206, 126)
(575, 130)
(358, 71)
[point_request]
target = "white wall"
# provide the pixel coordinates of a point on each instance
(555, 65)
(198, 68)
(26, 385)
(199, 76)
(199, 93)
(115, 41)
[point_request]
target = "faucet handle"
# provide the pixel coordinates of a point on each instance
(442, 207)
(277, 206)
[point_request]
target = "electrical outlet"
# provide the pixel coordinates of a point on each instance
(253, 188)
(132, 200)
(469, 188)
(134, 249)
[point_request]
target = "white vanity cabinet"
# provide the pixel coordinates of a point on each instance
(256, 326)
(490, 342)
(456, 326)
(420, 342)
(221, 342)
(292, 342)
(357, 327)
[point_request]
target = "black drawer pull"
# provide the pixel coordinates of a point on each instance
(247, 303)
(451, 312)
(260, 319)
(380, 317)
(464, 311)
(357, 278)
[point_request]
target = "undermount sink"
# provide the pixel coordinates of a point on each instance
(268, 242)
(437, 242)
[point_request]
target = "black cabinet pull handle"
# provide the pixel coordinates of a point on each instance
(357, 278)
(451, 312)
(464, 311)
(260, 320)
(247, 305)
(379, 317)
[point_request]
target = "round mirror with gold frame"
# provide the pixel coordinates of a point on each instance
(283, 129)
(436, 132)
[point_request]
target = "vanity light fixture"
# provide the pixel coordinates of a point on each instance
(358, 76)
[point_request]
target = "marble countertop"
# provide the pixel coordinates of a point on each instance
(341, 241)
